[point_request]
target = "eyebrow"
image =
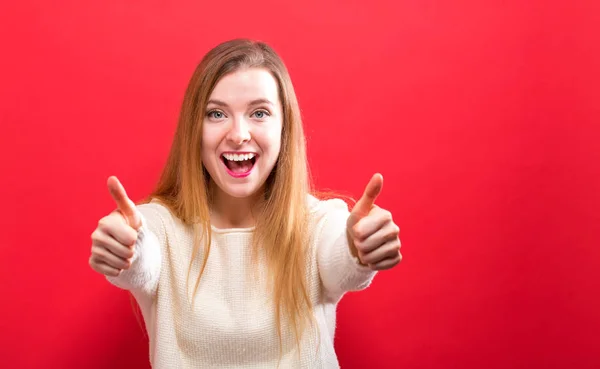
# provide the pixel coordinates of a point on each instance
(252, 103)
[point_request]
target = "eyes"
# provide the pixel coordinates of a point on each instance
(259, 114)
(215, 114)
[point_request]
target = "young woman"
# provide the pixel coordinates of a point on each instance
(232, 261)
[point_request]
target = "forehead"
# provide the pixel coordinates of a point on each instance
(246, 85)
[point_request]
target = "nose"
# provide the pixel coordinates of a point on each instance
(239, 131)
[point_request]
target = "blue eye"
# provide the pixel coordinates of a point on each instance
(260, 114)
(216, 114)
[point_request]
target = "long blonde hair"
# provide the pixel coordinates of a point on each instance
(281, 231)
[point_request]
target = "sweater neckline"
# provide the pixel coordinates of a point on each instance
(232, 230)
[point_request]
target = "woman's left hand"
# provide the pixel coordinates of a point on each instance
(372, 234)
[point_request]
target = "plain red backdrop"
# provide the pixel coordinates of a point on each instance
(481, 115)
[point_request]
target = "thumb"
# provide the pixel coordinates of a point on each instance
(124, 204)
(365, 203)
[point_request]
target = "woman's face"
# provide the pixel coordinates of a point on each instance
(241, 134)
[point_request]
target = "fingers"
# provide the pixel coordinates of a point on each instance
(124, 204)
(386, 234)
(104, 240)
(387, 263)
(382, 249)
(367, 226)
(104, 269)
(374, 235)
(101, 255)
(366, 202)
(112, 245)
(116, 227)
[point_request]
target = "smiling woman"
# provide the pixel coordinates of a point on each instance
(244, 118)
(236, 182)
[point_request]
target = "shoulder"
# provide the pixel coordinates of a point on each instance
(321, 210)
(154, 208)
(327, 221)
(158, 216)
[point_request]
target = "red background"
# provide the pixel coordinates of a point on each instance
(483, 117)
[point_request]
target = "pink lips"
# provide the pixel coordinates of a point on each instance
(239, 175)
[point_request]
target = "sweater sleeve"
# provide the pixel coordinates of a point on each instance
(339, 270)
(143, 274)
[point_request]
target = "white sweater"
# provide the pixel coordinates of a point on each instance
(232, 321)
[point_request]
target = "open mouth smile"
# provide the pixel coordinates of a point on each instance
(239, 164)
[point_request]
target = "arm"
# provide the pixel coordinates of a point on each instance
(143, 274)
(340, 271)
(355, 244)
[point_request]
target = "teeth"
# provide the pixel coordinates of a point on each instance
(238, 157)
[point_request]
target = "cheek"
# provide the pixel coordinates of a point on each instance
(204, 155)
(273, 136)
(208, 146)
(210, 138)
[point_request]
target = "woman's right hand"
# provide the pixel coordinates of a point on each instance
(116, 234)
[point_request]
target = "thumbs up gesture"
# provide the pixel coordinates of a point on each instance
(116, 234)
(372, 234)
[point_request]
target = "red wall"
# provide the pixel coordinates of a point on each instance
(483, 117)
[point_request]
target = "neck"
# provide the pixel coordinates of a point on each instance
(233, 212)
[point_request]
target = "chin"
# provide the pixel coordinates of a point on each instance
(240, 194)
(241, 191)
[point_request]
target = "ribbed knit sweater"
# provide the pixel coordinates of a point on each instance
(231, 323)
